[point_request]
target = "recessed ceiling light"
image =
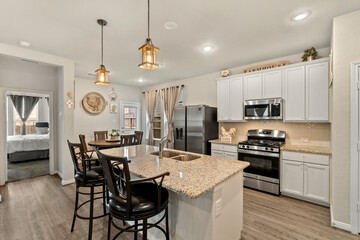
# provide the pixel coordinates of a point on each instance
(207, 48)
(170, 25)
(300, 16)
(24, 43)
(140, 80)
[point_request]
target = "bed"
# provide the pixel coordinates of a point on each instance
(28, 147)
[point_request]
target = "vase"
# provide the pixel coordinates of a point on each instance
(309, 58)
(115, 137)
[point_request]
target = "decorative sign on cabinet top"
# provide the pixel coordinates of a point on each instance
(266, 66)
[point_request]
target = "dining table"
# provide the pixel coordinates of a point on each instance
(105, 143)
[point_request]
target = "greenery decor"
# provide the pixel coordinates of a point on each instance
(115, 133)
(311, 52)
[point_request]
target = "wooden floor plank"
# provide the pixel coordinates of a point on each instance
(40, 208)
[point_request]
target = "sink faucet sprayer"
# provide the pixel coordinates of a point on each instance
(161, 147)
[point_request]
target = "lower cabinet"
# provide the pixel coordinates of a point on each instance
(305, 176)
(224, 151)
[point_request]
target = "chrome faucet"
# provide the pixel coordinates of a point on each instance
(161, 147)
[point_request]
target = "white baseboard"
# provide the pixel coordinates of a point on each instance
(66, 182)
(337, 224)
(58, 173)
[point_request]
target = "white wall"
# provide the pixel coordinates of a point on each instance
(346, 48)
(86, 123)
(63, 117)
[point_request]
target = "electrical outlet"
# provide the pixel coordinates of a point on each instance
(305, 140)
(218, 204)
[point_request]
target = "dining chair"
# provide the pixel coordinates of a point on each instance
(86, 178)
(138, 137)
(127, 140)
(88, 153)
(100, 135)
(134, 199)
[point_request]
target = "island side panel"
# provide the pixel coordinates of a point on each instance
(199, 219)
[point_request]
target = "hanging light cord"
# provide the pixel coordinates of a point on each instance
(148, 18)
(102, 45)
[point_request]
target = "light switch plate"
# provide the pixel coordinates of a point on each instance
(218, 204)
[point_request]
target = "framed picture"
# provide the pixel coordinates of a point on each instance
(113, 108)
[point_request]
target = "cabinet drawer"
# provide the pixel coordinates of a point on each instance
(224, 147)
(306, 157)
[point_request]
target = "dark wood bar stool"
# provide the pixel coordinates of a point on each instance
(138, 137)
(87, 153)
(134, 200)
(86, 178)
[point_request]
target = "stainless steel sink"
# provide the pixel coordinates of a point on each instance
(166, 154)
(177, 156)
(187, 157)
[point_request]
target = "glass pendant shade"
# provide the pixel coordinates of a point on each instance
(148, 55)
(102, 76)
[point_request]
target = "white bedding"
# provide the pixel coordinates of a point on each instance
(21, 143)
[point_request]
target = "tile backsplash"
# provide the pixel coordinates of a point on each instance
(317, 134)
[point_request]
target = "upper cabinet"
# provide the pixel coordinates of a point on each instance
(230, 100)
(306, 93)
(272, 84)
(253, 86)
(263, 85)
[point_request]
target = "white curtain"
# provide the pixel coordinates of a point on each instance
(151, 99)
(170, 97)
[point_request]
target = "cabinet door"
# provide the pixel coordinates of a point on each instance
(316, 182)
(236, 100)
(252, 87)
(216, 153)
(292, 180)
(223, 100)
(272, 84)
(230, 155)
(317, 92)
(294, 104)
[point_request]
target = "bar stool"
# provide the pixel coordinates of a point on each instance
(86, 178)
(134, 200)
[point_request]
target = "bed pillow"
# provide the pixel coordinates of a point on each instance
(42, 130)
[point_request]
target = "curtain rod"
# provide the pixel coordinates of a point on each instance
(182, 86)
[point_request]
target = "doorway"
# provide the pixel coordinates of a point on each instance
(129, 117)
(28, 128)
(355, 149)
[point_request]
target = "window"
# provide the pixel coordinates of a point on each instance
(30, 123)
(130, 114)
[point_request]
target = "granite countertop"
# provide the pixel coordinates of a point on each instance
(307, 149)
(232, 142)
(191, 178)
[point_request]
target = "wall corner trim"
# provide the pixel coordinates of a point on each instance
(337, 224)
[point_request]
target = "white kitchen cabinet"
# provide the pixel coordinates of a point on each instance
(294, 99)
(316, 182)
(272, 84)
(292, 177)
(305, 176)
(253, 86)
(230, 100)
(317, 94)
(224, 151)
(223, 100)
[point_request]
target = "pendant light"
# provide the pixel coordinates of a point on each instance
(148, 50)
(102, 73)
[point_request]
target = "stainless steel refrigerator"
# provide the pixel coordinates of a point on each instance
(194, 126)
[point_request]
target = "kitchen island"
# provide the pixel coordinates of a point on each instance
(205, 192)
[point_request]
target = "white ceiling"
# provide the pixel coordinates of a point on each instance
(242, 32)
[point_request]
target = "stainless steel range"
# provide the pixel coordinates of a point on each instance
(262, 150)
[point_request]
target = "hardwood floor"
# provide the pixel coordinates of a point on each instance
(40, 208)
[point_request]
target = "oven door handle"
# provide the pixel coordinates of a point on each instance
(250, 152)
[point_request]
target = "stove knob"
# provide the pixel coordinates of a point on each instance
(271, 149)
(247, 146)
(266, 148)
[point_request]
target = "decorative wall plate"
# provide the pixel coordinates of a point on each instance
(94, 103)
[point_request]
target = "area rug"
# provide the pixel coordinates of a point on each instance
(28, 169)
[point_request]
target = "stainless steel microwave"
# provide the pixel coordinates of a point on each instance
(263, 109)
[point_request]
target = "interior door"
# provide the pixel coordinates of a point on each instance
(129, 117)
